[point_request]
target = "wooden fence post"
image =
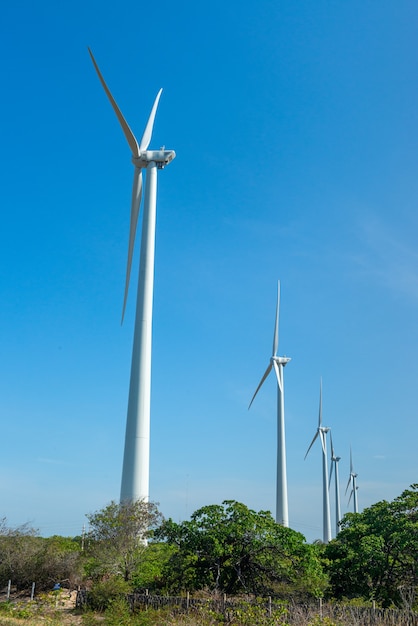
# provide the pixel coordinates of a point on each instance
(9, 584)
(33, 591)
(269, 606)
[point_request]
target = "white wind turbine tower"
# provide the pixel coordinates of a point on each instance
(353, 481)
(334, 463)
(135, 473)
(321, 432)
(278, 363)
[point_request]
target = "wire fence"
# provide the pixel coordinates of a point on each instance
(294, 614)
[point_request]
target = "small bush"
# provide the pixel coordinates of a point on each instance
(118, 612)
(18, 610)
(90, 619)
(6, 607)
(104, 592)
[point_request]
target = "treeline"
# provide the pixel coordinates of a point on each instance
(225, 548)
(25, 558)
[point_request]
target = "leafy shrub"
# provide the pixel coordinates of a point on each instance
(104, 592)
(118, 612)
(251, 614)
(90, 619)
(18, 610)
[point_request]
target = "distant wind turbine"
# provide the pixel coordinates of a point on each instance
(321, 432)
(277, 363)
(334, 463)
(135, 473)
(353, 481)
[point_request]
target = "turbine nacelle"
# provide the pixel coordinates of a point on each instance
(280, 360)
(160, 157)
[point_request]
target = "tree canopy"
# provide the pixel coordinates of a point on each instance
(225, 548)
(375, 555)
(117, 536)
(232, 548)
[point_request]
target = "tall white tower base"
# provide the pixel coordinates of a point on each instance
(282, 513)
(135, 473)
(326, 513)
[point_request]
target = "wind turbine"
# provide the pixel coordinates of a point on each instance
(277, 363)
(321, 432)
(353, 481)
(334, 463)
(135, 473)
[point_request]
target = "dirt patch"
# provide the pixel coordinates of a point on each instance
(52, 604)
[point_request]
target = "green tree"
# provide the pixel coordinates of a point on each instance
(63, 561)
(375, 555)
(149, 573)
(116, 542)
(231, 548)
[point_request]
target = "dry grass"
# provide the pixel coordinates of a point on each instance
(49, 609)
(59, 610)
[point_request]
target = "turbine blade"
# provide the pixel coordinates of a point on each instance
(312, 442)
(136, 202)
(348, 484)
(330, 473)
(130, 137)
(351, 461)
(349, 499)
(276, 325)
(332, 446)
(146, 137)
(266, 373)
(320, 404)
(278, 375)
(323, 444)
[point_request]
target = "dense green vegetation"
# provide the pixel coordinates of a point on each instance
(26, 557)
(232, 549)
(116, 543)
(226, 548)
(375, 555)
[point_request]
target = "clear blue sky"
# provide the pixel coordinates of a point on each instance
(295, 126)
